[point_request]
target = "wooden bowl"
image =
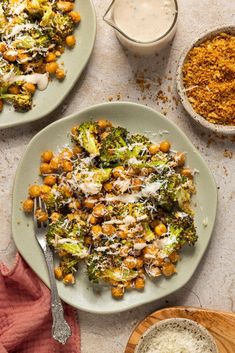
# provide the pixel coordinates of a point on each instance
(221, 325)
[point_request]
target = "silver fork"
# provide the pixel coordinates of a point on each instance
(60, 328)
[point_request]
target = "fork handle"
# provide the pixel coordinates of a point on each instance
(60, 328)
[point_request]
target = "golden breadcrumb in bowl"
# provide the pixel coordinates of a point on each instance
(206, 80)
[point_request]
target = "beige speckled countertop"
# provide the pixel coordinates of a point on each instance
(112, 74)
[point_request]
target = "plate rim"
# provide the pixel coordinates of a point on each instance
(71, 116)
(52, 109)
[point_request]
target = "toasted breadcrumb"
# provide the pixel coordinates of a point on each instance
(209, 79)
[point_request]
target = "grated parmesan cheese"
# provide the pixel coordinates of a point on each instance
(178, 338)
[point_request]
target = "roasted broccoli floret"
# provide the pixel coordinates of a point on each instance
(21, 102)
(141, 139)
(87, 136)
(68, 264)
(185, 222)
(62, 25)
(181, 231)
(114, 147)
(77, 250)
(119, 274)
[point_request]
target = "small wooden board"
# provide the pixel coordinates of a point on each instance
(220, 324)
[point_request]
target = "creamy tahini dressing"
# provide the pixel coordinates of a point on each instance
(144, 20)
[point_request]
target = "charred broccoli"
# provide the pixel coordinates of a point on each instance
(21, 102)
(115, 148)
(86, 135)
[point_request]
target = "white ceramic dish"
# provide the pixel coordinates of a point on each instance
(75, 60)
(136, 118)
(198, 332)
(224, 129)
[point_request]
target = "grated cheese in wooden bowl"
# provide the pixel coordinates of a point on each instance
(177, 336)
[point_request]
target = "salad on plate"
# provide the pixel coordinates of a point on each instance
(118, 202)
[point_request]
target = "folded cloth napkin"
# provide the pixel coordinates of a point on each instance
(25, 314)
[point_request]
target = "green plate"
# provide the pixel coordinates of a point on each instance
(137, 119)
(74, 60)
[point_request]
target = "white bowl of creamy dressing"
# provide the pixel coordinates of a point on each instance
(144, 27)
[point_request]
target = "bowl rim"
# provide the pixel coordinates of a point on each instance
(179, 320)
(217, 128)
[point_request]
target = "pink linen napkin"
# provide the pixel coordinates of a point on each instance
(25, 314)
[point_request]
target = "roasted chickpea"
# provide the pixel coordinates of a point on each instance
(77, 150)
(187, 173)
(130, 262)
(23, 58)
(55, 216)
(118, 172)
(67, 166)
(117, 292)
(45, 168)
(10, 55)
(168, 269)
(136, 184)
(150, 250)
(108, 187)
(74, 130)
(139, 263)
(46, 156)
(41, 215)
(54, 163)
(65, 6)
(96, 230)
(3, 47)
(58, 273)
(146, 171)
(1, 105)
(51, 67)
(99, 210)
(123, 234)
(174, 257)
(50, 180)
(103, 124)
(50, 57)
(66, 154)
(45, 189)
(153, 149)
(92, 219)
(139, 283)
(76, 17)
(13, 89)
(70, 40)
(69, 279)
(65, 191)
(108, 229)
(60, 74)
(155, 271)
(180, 159)
(28, 206)
(160, 229)
(165, 146)
(29, 87)
(34, 191)
(89, 202)
(76, 204)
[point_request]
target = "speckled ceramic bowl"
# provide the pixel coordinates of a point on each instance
(196, 331)
(222, 129)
